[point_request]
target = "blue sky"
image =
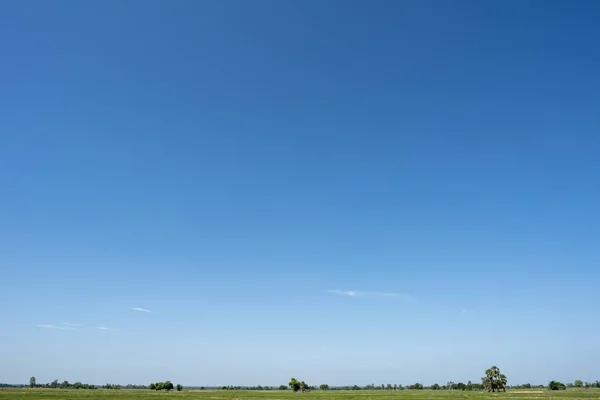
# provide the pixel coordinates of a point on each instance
(344, 192)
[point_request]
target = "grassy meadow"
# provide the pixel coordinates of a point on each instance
(57, 394)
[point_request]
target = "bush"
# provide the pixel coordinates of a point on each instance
(555, 385)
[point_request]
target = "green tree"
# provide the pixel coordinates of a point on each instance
(282, 387)
(168, 386)
(493, 380)
(152, 386)
(324, 387)
(555, 385)
(578, 383)
(295, 384)
(435, 386)
(179, 387)
(32, 382)
(54, 384)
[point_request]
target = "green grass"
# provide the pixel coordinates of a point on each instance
(54, 394)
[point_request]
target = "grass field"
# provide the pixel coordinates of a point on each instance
(53, 394)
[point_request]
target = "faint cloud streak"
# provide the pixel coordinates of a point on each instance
(62, 328)
(354, 293)
(140, 309)
(103, 328)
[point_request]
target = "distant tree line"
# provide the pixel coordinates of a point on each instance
(258, 387)
(493, 381)
(62, 385)
(55, 384)
(167, 386)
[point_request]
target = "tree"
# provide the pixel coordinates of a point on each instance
(555, 385)
(168, 386)
(303, 386)
(493, 380)
(32, 382)
(179, 387)
(435, 386)
(295, 384)
(283, 387)
(324, 387)
(152, 386)
(578, 383)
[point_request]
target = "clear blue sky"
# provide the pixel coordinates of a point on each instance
(344, 192)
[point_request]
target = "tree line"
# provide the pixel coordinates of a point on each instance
(166, 386)
(62, 385)
(493, 381)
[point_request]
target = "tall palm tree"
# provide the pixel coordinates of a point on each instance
(494, 380)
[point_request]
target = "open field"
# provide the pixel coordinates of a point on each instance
(53, 394)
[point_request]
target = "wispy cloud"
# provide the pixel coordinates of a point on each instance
(64, 328)
(103, 328)
(70, 324)
(354, 293)
(140, 309)
(350, 293)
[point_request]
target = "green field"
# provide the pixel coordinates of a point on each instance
(50, 394)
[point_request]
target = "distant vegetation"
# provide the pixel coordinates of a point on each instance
(493, 381)
(554, 385)
(63, 385)
(163, 386)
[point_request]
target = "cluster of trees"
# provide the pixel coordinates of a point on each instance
(298, 386)
(555, 385)
(494, 381)
(526, 386)
(587, 385)
(78, 385)
(259, 387)
(112, 386)
(63, 385)
(168, 385)
(416, 386)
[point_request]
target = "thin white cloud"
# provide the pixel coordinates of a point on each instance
(103, 328)
(140, 309)
(354, 293)
(70, 324)
(64, 328)
(343, 292)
